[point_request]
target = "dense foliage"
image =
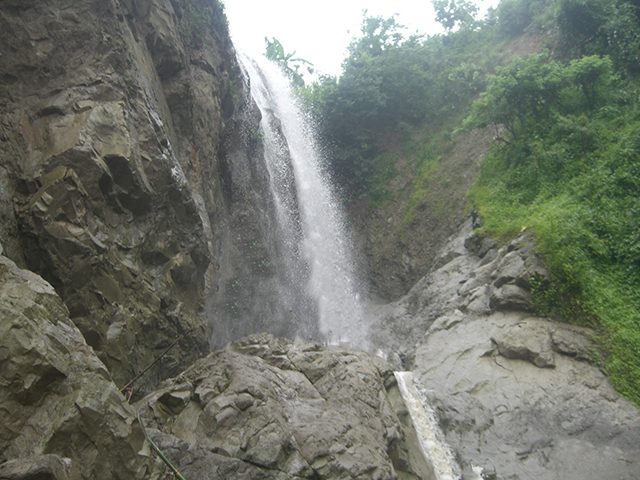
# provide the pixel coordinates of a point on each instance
(566, 161)
(568, 167)
(199, 17)
(392, 83)
(604, 27)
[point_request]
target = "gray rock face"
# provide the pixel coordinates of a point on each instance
(132, 177)
(511, 400)
(516, 395)
(51, 467)
(61, 417)
(273, 409)
(95, 171)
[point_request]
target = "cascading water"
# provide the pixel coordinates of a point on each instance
(316, 249)
(436, 452)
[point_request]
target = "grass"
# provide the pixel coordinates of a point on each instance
(585, 213)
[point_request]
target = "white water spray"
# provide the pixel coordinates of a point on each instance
(431, 439)
(310, 215)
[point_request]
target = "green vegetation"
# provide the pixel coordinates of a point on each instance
(200, 17)
(568, 167)
(392, 84)
(455, 13)
(566, 160)
(289, 65)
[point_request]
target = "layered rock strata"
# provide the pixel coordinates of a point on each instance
(132, 177)
(96, 96)
(61, 416)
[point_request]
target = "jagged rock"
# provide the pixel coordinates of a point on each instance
(516, 395)
(244, 413)
(510, 297)
(46, 467)
(573, 341)
(94, 166)
(492, 278)
(400, 324)
(529, 340)
(61, 417)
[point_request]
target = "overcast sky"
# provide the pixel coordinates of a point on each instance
(320, 31)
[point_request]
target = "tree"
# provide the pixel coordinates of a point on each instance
(455, 13)
(601, 27)
(288, 63)
(378, 34)
(522, 93)
(514, 16)
(592, 75)
(391, 83)
(580, 23)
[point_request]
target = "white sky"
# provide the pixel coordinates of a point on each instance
(320, 31)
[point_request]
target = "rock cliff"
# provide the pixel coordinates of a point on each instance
(105, 110)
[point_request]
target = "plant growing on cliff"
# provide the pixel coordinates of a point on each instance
(289, 64)
(200, 17)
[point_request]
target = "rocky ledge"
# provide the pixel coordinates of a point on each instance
(273, 409)
(518, 397)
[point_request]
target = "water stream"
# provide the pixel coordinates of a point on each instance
(317, 249)
(436, 452)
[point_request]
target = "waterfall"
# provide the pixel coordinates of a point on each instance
(431, 439)
(316, 247)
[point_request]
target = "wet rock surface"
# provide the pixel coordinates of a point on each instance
(262, 408)
(95, 155)
(61, 417)
(510, 402)
(133, 178)
(267, 408)
(516, 395)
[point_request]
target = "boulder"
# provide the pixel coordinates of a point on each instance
(513, 399)
(272, 409)
(62, 417)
